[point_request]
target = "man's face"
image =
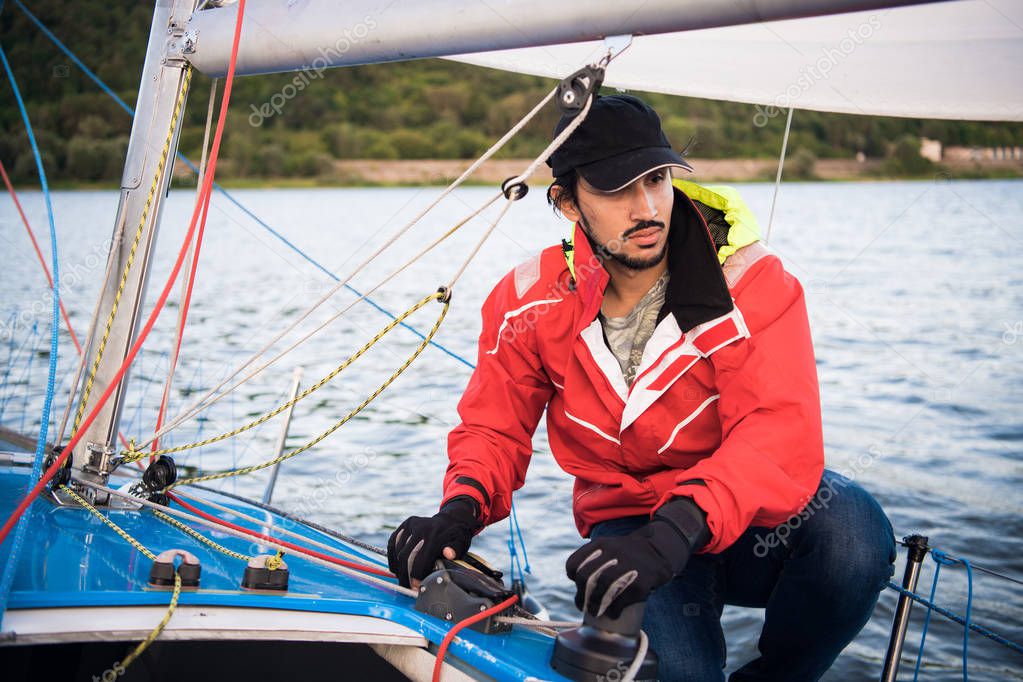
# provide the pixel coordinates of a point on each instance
(630, 226)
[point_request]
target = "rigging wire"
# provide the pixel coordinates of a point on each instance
(777, 178)
(227, 195)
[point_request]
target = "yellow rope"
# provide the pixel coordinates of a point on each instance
(132, 455)
(140, 547)
(187, 530)
(274, 562)
(134, 246)
(340, 423)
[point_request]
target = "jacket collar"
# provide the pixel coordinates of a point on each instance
(697, 291)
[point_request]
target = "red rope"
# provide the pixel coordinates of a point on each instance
(151, 321)
(256, 534)
(42, 261)
(46, 270)
(460, 625)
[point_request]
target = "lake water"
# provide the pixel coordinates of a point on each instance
(915, 294)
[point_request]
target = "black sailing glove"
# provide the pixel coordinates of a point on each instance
(611, 573)
(420, 541)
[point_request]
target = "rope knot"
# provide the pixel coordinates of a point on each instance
(274, 562)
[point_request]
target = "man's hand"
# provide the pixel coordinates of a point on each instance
(612, 573)
(420, 541)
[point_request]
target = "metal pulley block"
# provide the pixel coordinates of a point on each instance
(574, 90)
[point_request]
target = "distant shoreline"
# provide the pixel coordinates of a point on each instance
(438, 172)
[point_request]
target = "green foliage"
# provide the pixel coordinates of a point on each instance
(905, 159)
(800, 166)
(298, 124)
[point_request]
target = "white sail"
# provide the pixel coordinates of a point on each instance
(951, 60)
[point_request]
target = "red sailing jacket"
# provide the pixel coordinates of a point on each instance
(725, 408)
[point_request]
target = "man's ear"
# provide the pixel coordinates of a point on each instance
(564, 204)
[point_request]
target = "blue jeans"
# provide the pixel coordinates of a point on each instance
(818, 576)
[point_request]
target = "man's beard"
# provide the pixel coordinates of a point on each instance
(630, 262)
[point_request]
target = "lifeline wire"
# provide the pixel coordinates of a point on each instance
(7, 580)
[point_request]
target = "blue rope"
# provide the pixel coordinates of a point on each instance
(514, 522)
(943, 559)
(7, 580)
(927, 622)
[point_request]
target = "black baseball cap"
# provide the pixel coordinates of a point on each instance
(619, 141)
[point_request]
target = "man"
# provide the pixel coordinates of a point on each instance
(672, 353)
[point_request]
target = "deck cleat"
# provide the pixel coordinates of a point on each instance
(161, 575)
(266, 573)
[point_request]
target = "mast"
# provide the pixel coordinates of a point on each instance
(147, 172)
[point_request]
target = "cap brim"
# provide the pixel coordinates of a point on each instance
(619, 171)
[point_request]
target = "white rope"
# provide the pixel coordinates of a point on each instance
(379, 582)
(192, 409)
(521, 179)
(777, 178)
(212, 397)
(630, 674)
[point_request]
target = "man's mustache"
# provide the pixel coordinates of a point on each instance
(640, 226)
